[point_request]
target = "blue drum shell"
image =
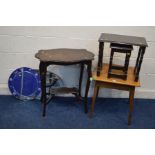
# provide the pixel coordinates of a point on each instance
(24, 83)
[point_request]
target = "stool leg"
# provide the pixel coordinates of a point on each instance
(100, 58)
(126, 65)
(96, 89)
(87, 86)
(43, 69)
(131, 100)
(110, 63)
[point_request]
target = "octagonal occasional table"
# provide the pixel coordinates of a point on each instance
(64, 57)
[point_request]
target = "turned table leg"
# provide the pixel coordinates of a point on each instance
(80, 80)
(138, 66)
(89, 65)
(43, 70)
(131, 101)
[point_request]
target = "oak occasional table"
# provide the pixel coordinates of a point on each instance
(115, 83)
(126, 40)
(64, 57)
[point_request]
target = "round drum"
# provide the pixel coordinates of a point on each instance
(24, 83)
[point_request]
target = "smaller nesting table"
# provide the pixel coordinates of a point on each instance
(123, 70)
(65, 57)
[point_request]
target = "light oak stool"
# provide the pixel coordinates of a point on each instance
(114, 83)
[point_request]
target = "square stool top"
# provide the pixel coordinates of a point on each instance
(121, 47)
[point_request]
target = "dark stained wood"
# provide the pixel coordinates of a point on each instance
(126, 49)
(100, 57)
(110, 62)
(138, 57)
(43, 71)
(89, 66)
(64, 90)
(64, 57)
(123, 39)
(127, 40)
(126, 63)
(139, 63)
(121, 47)
(80, 80)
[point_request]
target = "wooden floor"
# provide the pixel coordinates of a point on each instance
(104, 77)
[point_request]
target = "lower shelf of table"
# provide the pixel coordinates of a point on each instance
(64, 90)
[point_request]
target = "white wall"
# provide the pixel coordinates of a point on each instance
(19, 44)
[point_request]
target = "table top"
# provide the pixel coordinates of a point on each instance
(123, 39)
(64, 55)
(104, 77)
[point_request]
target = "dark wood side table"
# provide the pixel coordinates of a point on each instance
(64, 57)
(122, 39)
